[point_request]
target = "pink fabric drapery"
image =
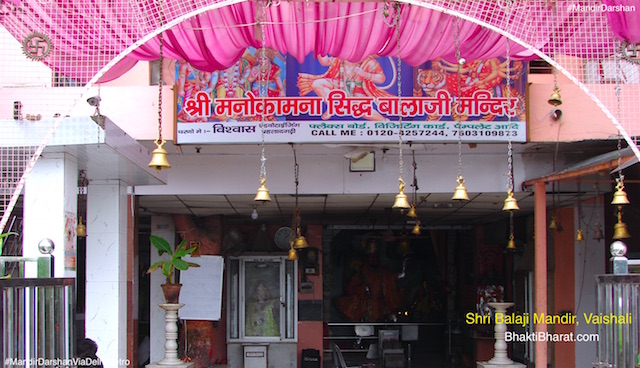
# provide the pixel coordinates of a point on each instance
(625, 24)
(87, 34)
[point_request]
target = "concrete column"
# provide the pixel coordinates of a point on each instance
(50, 207)
(540, 269)
(106, 285)
(162, 226)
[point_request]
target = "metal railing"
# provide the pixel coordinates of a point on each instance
(37, 321)
(619, 337)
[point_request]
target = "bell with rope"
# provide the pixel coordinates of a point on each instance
(293, 255)
(300, 242)
(579, 236)
(555, 99)
(597, 233)
(263, 193)
(620, 229)
(620, 196)
(511, 244)
(460, 194)
(81, 230)
(412, 213)
(553, 224)
(510, 203)
(159, 157)
(401, 201)
(416, 228)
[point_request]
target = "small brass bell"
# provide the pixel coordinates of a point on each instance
(511, 244)
(416, 228)
(579, 236)
(553, 224)
(510, 203)
(412, 211)
(620, 229)
(460, 194)
(620, 196)
(159, 158)
(81, 230)
(597, 233)
(263, 193)
(401, 201)
(300, 241)
(293, 255)
(555, 99)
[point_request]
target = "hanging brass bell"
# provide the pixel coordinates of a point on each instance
(416, 228)
(300, 241)
(553, 224)
(81, 230)
(159, 157)
(263, 193)
(510, 203)
(620, 196)
(401, 201)
(293, 255)
(460, 194)
(511, 244)
(620, 229)
(597, 233)
(412, 211)
(579, 236)
(555, 99)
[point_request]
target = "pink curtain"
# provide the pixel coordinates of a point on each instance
(625, 24)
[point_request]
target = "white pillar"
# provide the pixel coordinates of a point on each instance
(164, 227)
(106, 285)
(50, 207)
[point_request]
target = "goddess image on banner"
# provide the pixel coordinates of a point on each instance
(197, 90)
(479, 90)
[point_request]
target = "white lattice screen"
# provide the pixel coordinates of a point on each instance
(573, 36)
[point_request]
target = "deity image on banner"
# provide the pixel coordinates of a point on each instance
(266, 77)
(478, 79)
(367, 78)
(190, 81)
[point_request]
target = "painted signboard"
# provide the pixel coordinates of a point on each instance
(328, 100)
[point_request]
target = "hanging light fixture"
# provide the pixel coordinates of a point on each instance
(159, 155)
(263, 193)
(401, 202)
(460, 193)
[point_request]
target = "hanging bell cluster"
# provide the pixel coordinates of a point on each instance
(510, 203)
(620, 196)
(460, 194)
(401, 202)
(579, 236)
(159, 157)
(416, 228)
(597, 233)
(620, 228)
(412, 213)
(81, 230)
(553, 224)
(511, 244)
(300, 242)
(555, 99)
(293, 255)
(263, 193)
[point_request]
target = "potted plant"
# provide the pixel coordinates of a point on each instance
(171, 289)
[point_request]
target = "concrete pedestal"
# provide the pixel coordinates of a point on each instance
(500, 358)
(171, 335)
(490, 365)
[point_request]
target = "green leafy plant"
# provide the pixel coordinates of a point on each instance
(175, 261)
(2, 236)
